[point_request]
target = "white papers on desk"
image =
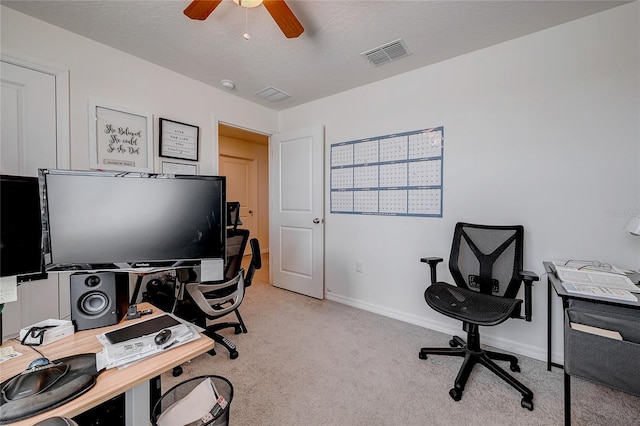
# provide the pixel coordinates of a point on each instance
(611, 280)
(128, 352)
(587, 266)
(8, 289)
(599, 291)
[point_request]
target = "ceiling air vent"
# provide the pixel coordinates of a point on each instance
(387, 52)
(272, 94)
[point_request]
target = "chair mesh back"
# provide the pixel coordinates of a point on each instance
(236, 244)
(233, 214)
(487, 258)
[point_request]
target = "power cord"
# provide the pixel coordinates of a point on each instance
(32, 347)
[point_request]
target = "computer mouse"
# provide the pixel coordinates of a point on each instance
(39, 362)
(162, 336)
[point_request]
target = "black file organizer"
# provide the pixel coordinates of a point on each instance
(599, 359)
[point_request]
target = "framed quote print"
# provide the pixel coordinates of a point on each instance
(119, 139)
(178, 140)
(174, 168)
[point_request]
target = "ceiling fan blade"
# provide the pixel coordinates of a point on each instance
(284, 17)
(201, 9)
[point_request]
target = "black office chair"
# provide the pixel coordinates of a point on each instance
(215, 300)
(236, 243)
(486, 265)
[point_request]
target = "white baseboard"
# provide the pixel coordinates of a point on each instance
(496, 342)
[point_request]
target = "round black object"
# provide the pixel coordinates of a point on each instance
(93, 303)
(162, 336)
(92, 281)
(222, 386)
(81, 376)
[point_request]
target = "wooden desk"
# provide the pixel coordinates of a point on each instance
(110, 382)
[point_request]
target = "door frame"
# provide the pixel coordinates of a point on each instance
(253, 194)
(63, 148)
(268, 133)
(63, 145)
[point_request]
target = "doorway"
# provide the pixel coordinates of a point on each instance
(243, 157)
(35, 134)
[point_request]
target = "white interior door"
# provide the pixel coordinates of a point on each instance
(296, 219)
(242, 182)
(30, 137)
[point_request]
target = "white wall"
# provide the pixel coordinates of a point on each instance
(119, 79)
(541, 131)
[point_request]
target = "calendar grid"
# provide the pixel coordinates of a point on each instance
(392, 175)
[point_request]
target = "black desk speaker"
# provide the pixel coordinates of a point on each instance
(98, 299)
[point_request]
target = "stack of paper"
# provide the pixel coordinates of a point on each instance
(123, 354)
(600, 291)
(613, 284)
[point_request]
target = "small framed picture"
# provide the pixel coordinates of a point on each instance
(174, 168)
(178, 140)
(119, 138)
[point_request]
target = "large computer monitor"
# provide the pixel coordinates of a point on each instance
(20, 227)
(113, 220)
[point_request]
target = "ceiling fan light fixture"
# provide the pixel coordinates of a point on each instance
(248, 3)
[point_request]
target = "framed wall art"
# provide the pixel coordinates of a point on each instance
(119, 139)
(178, 140)
(174, 168)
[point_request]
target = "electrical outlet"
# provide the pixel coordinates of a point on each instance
(359, 266)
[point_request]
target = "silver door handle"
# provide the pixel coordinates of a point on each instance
(316, 220)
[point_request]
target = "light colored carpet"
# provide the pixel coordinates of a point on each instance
(317, 362)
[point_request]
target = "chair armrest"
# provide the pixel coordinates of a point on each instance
(211, 306)
(256, 261)
(433, 263)
(528, 278)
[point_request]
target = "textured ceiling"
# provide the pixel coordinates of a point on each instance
(325, 59)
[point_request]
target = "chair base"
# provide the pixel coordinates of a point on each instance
(238, 327)
(473, 354)
(228, 344)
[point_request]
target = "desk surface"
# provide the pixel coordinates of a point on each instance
(560, 291)
(110, 382)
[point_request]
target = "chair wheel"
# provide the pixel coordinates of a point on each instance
(212, 352)
(238, 330)
(456, 394)
(527, 403)
(233, 355)
(515, 368)
(422, 355)
(176, 371)
(453, 343)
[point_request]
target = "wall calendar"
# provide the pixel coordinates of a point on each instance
(396, 175)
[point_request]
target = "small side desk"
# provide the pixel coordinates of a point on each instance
(133, 380)
(553, 282)
(609, 306)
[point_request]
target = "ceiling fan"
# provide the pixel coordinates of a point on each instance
(278, 9)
